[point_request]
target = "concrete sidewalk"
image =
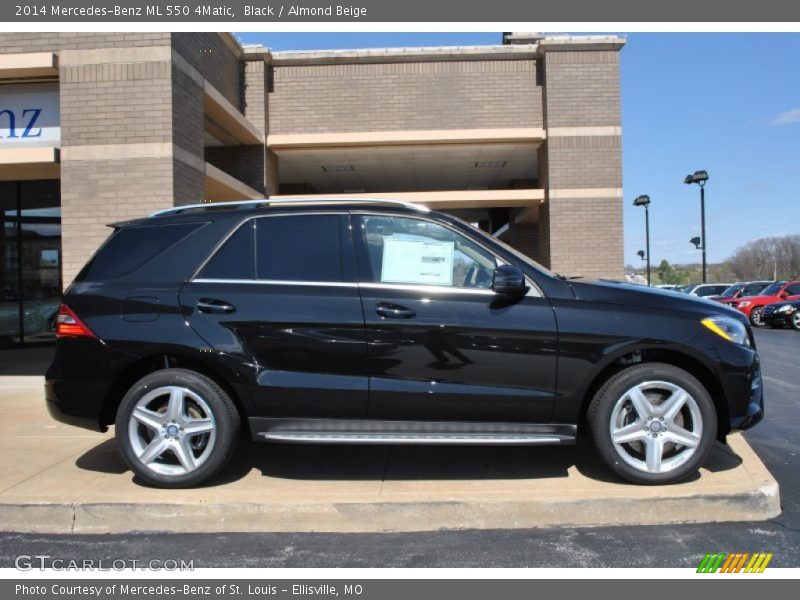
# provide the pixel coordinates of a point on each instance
(59, 479)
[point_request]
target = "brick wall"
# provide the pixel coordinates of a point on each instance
(398, 96)
(582, 235)
(256, 94)
(214, 59)
(585, 162)
(582, 88)
(245, 163)
(523, 237)
(97, 192)
(188, 184)
(104, 103)
(187, 113)
(586, 237)
(54, 42)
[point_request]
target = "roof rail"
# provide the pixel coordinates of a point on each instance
(266, 202)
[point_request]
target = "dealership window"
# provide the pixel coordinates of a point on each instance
(303, 248)
(415, 251)
(30, 260)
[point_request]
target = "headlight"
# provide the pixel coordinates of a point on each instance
(786, 308)
(743, 304)
(729, 328)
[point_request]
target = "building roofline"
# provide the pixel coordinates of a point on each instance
(436, 53)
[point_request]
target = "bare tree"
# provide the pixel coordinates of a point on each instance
(767, 258)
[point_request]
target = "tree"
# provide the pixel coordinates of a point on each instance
(767, 258)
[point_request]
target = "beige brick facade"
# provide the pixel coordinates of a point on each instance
(147, 118)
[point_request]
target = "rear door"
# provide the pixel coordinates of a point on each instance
(280, 293)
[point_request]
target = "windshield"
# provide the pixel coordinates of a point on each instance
(731, 291)
(753, 288)
(773, 289)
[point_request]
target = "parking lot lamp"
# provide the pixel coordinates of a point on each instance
(700, 178)
(644, 200)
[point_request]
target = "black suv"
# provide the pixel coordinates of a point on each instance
(366, 322)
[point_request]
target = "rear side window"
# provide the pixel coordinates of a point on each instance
(132, 247)
(303, 248)
(235, 259)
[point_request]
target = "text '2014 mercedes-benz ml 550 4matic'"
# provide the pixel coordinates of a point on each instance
(367, 322)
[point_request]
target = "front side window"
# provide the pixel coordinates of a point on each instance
(793, 290)
(406, 250)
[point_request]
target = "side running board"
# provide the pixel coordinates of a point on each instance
(365, 431)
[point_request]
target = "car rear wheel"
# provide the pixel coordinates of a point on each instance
(176, 428)
(795, 320)
(653, 423)
(755, 316)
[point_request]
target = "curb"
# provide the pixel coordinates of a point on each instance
(620, 505)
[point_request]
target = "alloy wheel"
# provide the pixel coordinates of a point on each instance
(172, 430)
(656, 426)
(756, 316)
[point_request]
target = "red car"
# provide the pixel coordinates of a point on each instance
(753, 306)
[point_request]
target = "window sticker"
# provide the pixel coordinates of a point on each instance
(415, 261)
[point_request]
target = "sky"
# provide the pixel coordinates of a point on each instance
(725, 103)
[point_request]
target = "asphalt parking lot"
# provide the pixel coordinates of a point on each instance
(775, 440)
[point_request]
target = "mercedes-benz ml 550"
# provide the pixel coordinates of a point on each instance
(378, 322)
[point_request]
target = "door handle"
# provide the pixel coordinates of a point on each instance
(388, 310)
(215, 307)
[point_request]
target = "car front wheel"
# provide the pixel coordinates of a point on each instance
(795, 320)
(176, 428)
(653, 423)
(755, 316)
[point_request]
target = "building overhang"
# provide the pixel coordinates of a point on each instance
(33, 65)
(224, 121)
(445, 200)
(285, 141)
(220, 186)
(30, 163)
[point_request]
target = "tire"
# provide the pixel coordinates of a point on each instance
(794, 320)
(755, 316)
(185, 426)
(612, 408)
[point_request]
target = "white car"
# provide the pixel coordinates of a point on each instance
(707, 289)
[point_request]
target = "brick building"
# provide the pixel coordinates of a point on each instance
(522, 138)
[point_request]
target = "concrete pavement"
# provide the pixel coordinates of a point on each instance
(59, 479)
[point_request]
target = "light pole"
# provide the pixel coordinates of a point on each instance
(700, 178)
(644, 200)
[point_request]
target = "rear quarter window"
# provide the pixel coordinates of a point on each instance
(130, 248)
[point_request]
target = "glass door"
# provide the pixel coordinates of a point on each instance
(30, 261)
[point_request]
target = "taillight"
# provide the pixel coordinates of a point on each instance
(69, 325)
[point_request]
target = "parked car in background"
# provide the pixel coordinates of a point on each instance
(669, 286)
(753, 306)
(782, 314)
(706, 289)
(742, 288)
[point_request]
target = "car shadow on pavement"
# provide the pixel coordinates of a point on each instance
(403, 463)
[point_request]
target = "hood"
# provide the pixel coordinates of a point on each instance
(758, 299)
(627, 294)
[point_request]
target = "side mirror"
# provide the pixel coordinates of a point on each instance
(784, 294)
(510, 280)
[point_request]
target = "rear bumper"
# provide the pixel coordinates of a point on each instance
(78, 381)
(61, 398)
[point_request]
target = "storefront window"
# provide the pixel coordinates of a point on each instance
(30, 261)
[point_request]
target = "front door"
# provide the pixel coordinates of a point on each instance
(281, 294)
(442, 345)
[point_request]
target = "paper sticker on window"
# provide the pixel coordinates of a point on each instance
(413, 261)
